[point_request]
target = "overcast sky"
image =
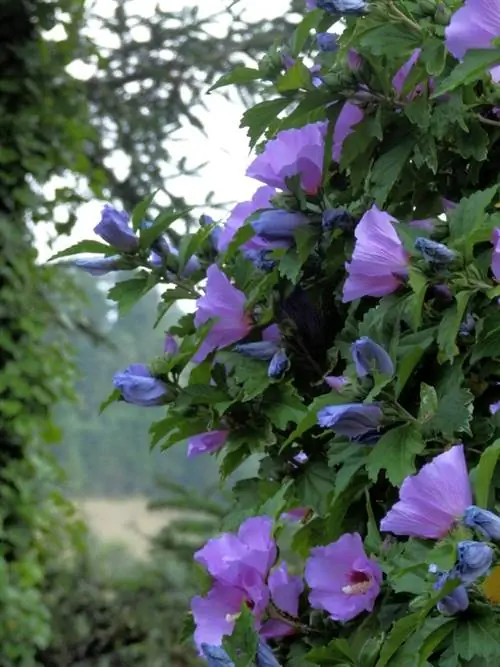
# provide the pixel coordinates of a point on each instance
(225, 148)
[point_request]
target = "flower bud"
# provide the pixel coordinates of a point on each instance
(368, 356)
(275, 224)
(265, 656)
(216, 656)
(138, 387)
(170, 346)
(114, 228)
(474, 560)
(454, 602)
(485, 522)
(351, 419)
(337, 217)
(263, 349)
(433, 252)
(259, 259)
(278, 365)
(346, 7)
(326, 42)
(99, 266)
(354, 60)
(468, 325)
(335, 382)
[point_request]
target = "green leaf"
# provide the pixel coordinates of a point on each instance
(140, 211)
(238, 75)
(395, 453)
(469, 215)
(454, 413)
(478, 635)
(399, 633)
(449, 325)
(314, 486)
(241, 645)
(428, 403)
(298, 76)
(389, 39)
(434, 56)
(388, 167)
(310, 419)
(250, 374)
(474, 66)
(418, 282)
(303, 31)
(484, 473)
(191, 243)
(337, 652)
(283, 406)
(260, 116)
(410, 357)
(128, 292)
(112, 398)
(85, 246)
(161, 223)
(418, 112)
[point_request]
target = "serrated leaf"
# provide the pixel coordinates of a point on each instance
(112, 398)
(162, 222)
(238, 75)
(418, 282)
(484, 473)
(249, 373)
(314, 486)
(474, 66)
(389, 39)
(128, 292)
(454, 413)
(290, 265)
(469, 215)
(478, 636)
(449, 325)
(241, 645)
(400, 631)
(191, 243)
(428, 403)
(85, 247)
(338, 652)
(283, 406)
(388, 168)
(140, 211)
(410, 358)
(260, 116)
(395, 453)
(434, 57)
(296, 77)
(303, 31)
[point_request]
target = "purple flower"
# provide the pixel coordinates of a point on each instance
(351, 419)
(368, 356)
(206, 443)
(402, 74)
(354, 60)
(350, 116)
(239, 565)
(494, 407)
(114, 228)
(379, 260)
(495, 260)
(278, 365)
(170, 346)
(326, 41)
(241, 212)
(99, 266)
(474, 26)
(226, 304)
(427, 225)
(272, 333)
(275, 224)
(474, 560)
(216, 613)
(431, 501)
(485, 522)
(301, 457)
(285, 591)
(335, 382)
(139, 387)
(343, 580)
(295, 152)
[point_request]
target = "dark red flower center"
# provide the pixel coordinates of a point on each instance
(359, 583)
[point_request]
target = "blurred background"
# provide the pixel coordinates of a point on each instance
(100, 102)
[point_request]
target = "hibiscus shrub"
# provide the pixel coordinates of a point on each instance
(345, 330)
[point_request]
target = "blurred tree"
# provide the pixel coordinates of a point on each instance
(152, 80)
(43, 125)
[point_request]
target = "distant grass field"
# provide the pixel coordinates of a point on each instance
(126, 522)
